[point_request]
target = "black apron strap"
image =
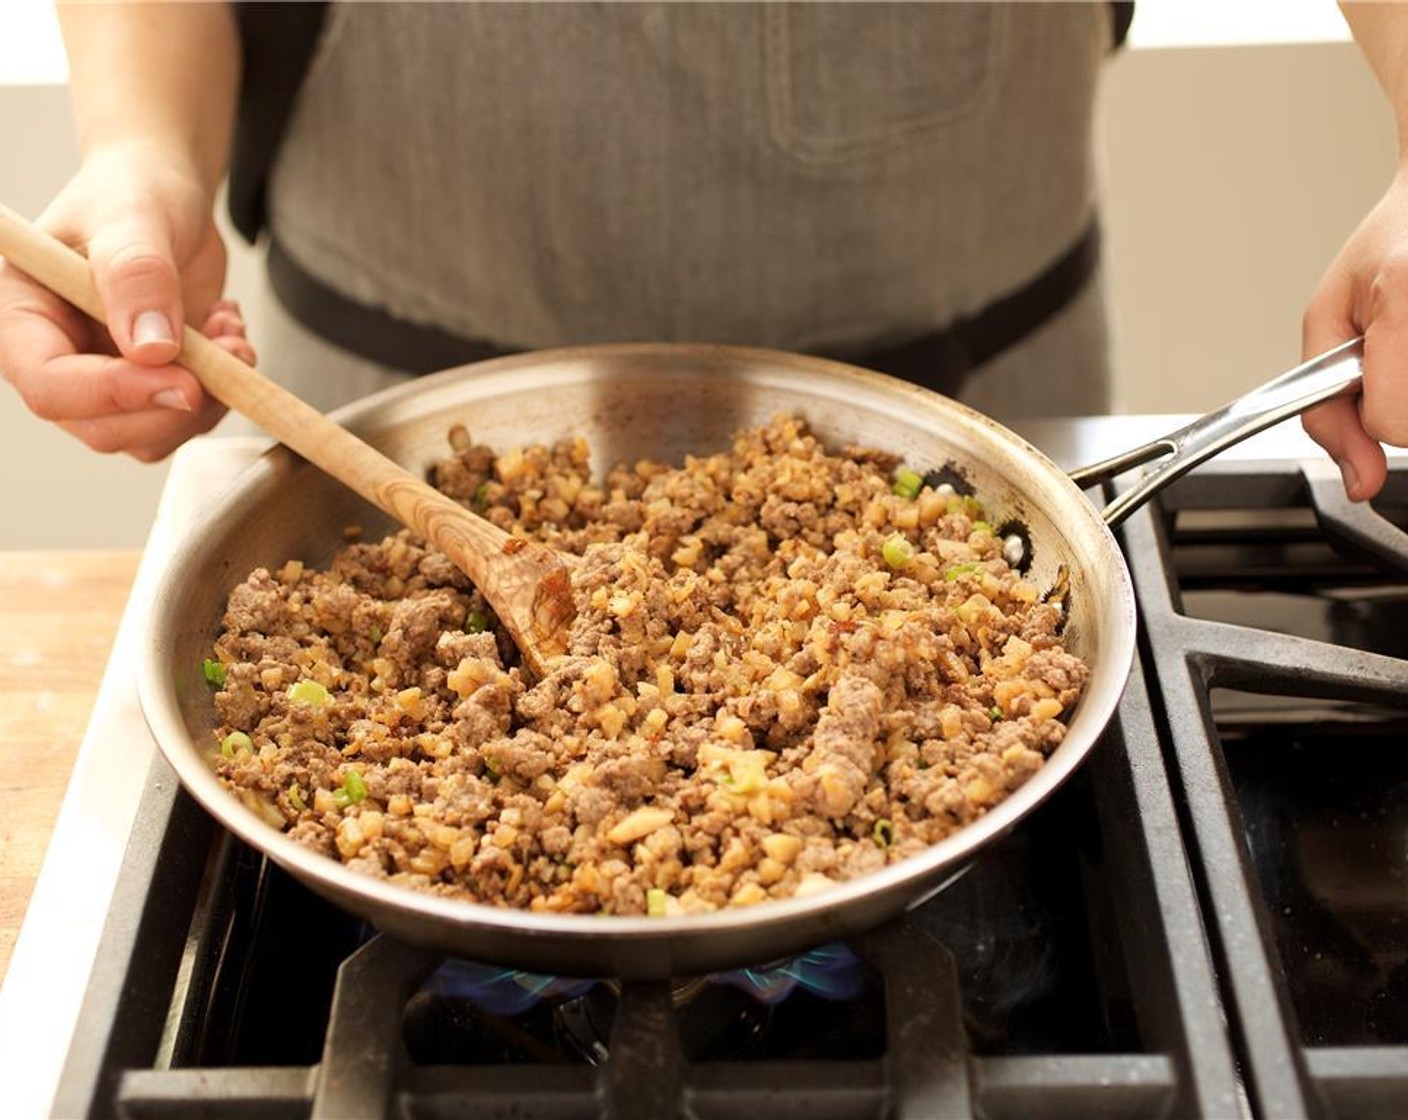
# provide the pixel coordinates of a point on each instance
(368, 332)
(940, 360)
(943, 359)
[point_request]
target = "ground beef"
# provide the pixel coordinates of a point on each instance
(783, 673)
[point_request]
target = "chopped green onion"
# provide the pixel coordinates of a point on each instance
(655, 902)
(235, 742)
(481, 496)
(308, 692)
(982, 527)
(995, 712)
(897, 550)
(883, 833)
(476, 622)
(296, 799)
(959, 570)
(214, 672)
(353, 790)
(908, 483)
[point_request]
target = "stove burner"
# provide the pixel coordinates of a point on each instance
(715, 1022)
(500, 991)
(722, 1015)
(832, 972)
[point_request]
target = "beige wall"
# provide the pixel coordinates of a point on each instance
(1232, 176)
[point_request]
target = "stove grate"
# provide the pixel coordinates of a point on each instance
(1362, 550)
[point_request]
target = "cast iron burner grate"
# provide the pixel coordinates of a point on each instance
(1275, 622)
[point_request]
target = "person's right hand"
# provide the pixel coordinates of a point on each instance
(146, 223)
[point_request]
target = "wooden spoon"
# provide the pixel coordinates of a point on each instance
(526, 582)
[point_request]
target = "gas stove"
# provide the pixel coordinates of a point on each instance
(1209, 920)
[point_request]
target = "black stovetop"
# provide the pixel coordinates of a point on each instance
(1210, 919)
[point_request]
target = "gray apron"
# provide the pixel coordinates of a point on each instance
(819, 177)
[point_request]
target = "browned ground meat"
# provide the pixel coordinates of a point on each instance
(755, 703)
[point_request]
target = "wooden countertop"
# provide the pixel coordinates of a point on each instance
(58, 614)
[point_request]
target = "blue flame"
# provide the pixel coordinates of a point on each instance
(832, 972)
(501, 991)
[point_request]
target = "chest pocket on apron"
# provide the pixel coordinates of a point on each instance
(847, 81)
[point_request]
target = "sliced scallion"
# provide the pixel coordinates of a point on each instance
(897, 551)
(908, 483)
(476, 622)
(214, 672)
(353, 790)
(960, 570)
(235, 742)
(355, 787)
(883, 833)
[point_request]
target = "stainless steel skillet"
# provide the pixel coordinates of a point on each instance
(664, 401)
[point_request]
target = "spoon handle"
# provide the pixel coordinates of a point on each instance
(507, 571)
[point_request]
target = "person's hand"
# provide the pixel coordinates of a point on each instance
(1365, 291)
(146, 224)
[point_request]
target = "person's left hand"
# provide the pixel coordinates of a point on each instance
(1365, 291)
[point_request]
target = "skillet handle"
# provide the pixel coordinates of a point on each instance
(1334, 373)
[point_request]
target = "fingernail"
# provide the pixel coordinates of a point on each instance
(151, 326)
(170, 398)
(1350, 476)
